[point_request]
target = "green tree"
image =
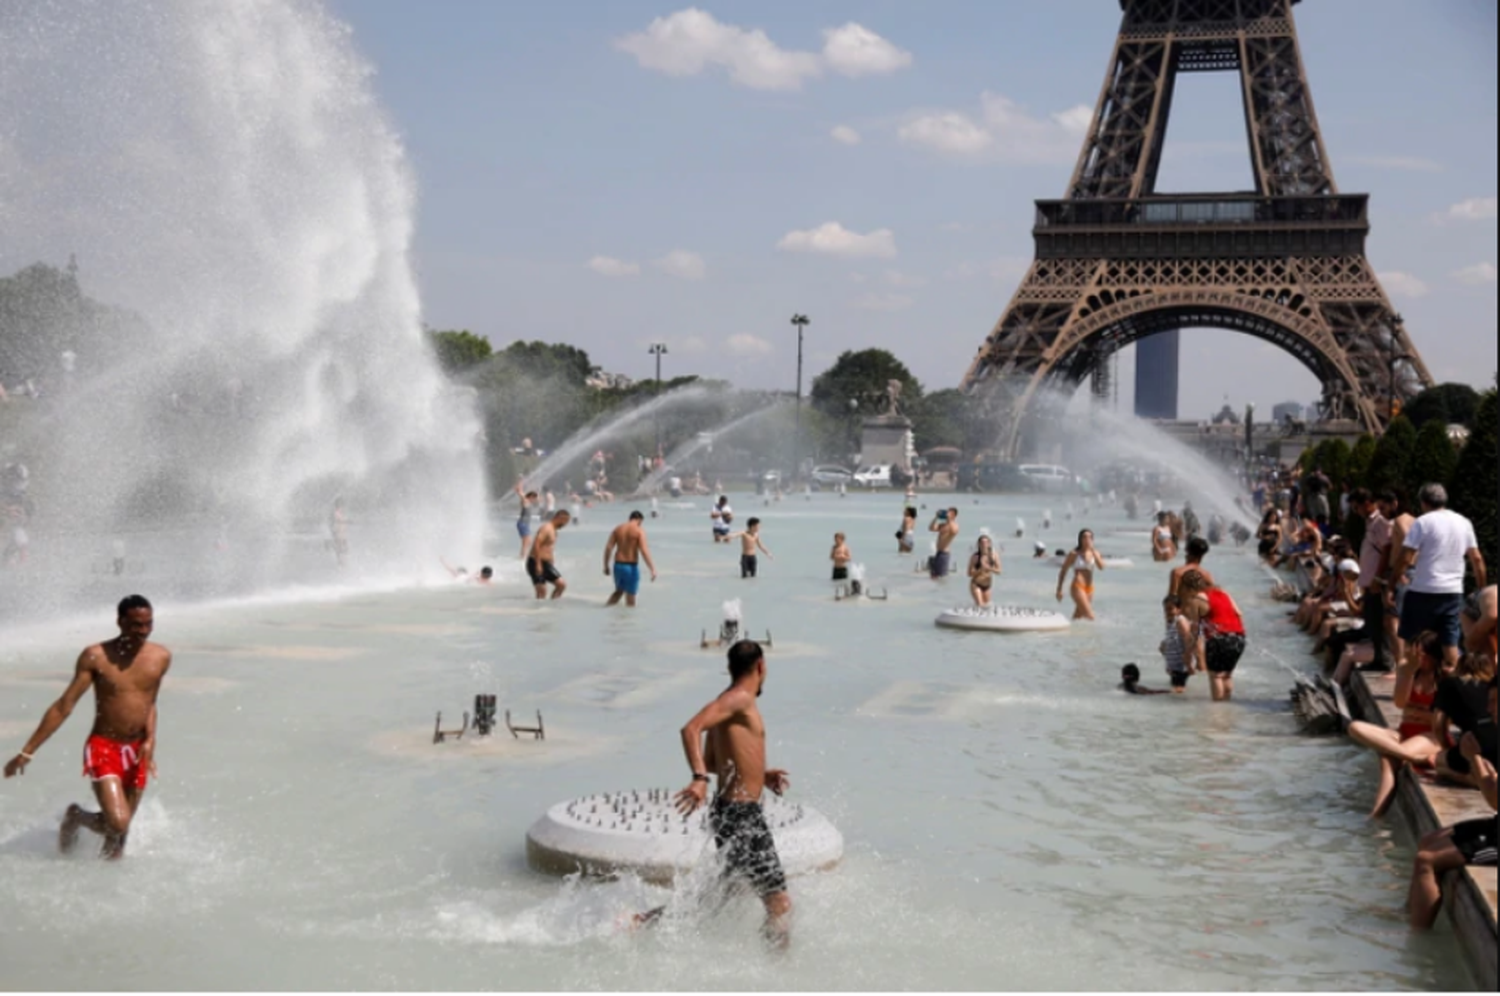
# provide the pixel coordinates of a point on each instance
(1476, 479)
(1432, 457)
(1360, 456)
(943, 418)
(43, 312)
(1333, 456)
(1451, 404)
(862, 377)
(459, 351)
(1388, 463)
(544, 359)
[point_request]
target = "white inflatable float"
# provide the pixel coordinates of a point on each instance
(642, 832)
(1002, 618)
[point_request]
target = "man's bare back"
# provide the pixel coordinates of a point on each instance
(626, 540)
(125, 674)
(735, 750)
(1175, 579)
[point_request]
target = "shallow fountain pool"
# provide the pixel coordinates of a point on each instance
(1011, 820)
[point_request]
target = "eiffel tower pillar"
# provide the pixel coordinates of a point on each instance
(1118, 262)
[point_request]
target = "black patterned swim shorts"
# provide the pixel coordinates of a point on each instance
(744, 839)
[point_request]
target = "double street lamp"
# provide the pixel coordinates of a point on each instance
(658, 350)
(801, 322)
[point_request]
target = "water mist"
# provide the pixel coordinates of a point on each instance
(224, 170)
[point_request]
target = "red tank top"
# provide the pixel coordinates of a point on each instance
(1222, 617)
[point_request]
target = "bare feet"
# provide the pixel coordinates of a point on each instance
(67, 833)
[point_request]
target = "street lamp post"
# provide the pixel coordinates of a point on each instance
(801, 322)
(658, 350)
(1250, 444)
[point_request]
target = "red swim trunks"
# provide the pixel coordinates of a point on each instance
(105, 758)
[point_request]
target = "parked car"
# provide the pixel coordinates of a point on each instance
(992, 476)
(830, 473)
(1048, 477)
(873, 476)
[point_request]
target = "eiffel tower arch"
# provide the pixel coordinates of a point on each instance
(1117, 261)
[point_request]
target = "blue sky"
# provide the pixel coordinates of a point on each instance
(610, 174)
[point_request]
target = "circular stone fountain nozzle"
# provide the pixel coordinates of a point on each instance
(642, 832)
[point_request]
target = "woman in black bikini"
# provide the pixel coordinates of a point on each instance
(983, 566)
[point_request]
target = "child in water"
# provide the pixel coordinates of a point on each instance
(749, 544)
(1176, 644)
(1130, 682)
(840, 556)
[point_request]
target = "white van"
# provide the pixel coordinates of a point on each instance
(873, 476)
(1048, 477)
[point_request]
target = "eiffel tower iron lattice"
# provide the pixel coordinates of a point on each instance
(1117, 262)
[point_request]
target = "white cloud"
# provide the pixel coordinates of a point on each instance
(898, 279)
(1479, 273)
(1474, 209)
(1402, 284)
(681, 263)
(691, 346)
(610, 267)
(884, 302)
(952, 132)
(1410, 164)
(1002, 132)
(746, 345)
(834, 239)
(845, 135)
(854, 50)
(690, 41)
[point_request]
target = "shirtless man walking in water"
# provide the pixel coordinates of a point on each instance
(945, 524)
(126, 675)
(727, 739)
(540, 566)
(628, 544)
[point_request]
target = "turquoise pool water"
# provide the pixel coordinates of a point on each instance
(1012, 821)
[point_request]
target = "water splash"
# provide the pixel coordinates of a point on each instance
(225, 170)
(1113, 437)
(693, 446)
(605, 428)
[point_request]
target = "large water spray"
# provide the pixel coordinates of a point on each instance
(223, 169)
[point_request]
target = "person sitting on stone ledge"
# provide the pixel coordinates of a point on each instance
(1343, 612)
(1418, 740)
(1469, 842)
(1462, 702)
(1320, 590)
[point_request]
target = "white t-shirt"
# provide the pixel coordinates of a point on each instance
(1441, 539)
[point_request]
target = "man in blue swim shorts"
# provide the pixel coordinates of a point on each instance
(627, 547)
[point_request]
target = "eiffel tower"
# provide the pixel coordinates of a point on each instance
(1117, 262)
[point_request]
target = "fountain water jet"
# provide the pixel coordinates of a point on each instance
(692, 446)
(224, 170)
(605, 428)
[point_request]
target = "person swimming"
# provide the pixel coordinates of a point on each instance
(1130, 682)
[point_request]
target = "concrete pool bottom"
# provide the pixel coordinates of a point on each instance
(1010, 819)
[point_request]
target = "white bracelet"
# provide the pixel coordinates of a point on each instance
(27, 756)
